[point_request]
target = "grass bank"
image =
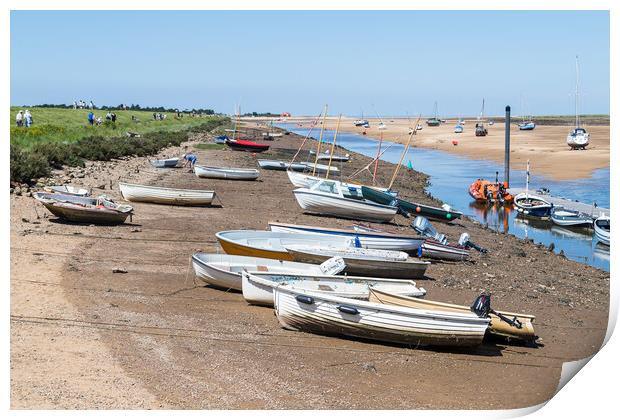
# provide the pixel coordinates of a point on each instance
(63, 137)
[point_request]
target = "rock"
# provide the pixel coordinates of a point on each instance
(369, 367)
(119, 270)
(100, 186)
(80, 175)
(136, 230)
(18, 191)
(25, 220)
(551, 247)
(11, 190)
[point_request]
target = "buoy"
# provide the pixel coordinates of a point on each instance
(455, 142)
(363, 132)
(418, 209)
(448, 216)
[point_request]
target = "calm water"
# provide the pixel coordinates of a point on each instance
(451, 175)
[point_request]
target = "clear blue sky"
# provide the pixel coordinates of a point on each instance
(297, 61)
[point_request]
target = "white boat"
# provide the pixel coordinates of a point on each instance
(363, 262)
(326, 197)
(602, 229)
(258, 286)
(578, 138)
(565, 217)
(224, 270)
(242, 174)
(321, 313)
(266, 244)
(68, 190)
(367, 239)
(360, 122)
(279, 165)
(165, 163)
(458, 129)
(162, 195)
(265, 134)
(320, 168)
(439, 251)
(334, 158)
(349, 189)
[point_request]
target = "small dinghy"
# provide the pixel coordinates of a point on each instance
(266, 244)
(258, 286)
(521, 326)
(602, 229)
(165, 163)
(240, 174)
(326, 197)
(100, 210)
(349, 189)
(444, 252)
(364, 262)
(68, 190)
(334, 158)
(246, 146)
(445, 213)
(320, 168)
(320, 313)
(224, 271)
(221, 139)
(458, 128)
(564, 217)
(279, 165)
(162, 195)
(532, 205)
(529, 125)
(371, 239)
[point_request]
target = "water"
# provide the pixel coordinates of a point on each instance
(451, 175)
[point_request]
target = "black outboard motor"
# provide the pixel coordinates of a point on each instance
(464, 241)
(482, 308)
(425, 228)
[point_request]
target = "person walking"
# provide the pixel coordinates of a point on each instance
(27, 118)
(113, 116)
(91, 118)
(19, 118)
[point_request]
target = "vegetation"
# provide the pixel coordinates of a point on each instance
(132, 107)
(210, 146)
(63, 137)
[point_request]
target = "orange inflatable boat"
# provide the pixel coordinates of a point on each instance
(484, 190)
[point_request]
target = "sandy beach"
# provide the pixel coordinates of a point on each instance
(153, 337)
(545, 146)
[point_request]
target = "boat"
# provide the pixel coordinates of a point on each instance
(481, 130)
(361, 122)
(279, 165)
(324, 314)
(100, 210)
(529, 204)
(410, 208)
(224, 270)
(326, 197)
(418, 127)
(320, 168)
(240, 174)
(522, 331)
(258, 286)
(267, 244)
(272, 135)
(566, 217)
(334, 158)
(367, 239)
(602, 229)
(246, 145)
(363, 262)
(162, 195)
(458, 128)
(348, 189)
(434, 122)
(165, 163)
(578, 138)
(529, 125)
(68, 190)
(445, 252)
(221, 139)
(483, 190)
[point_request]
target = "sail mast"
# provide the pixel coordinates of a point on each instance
(402, 157)
(577, 122)
(331, 154)
(318, 147)
(374, 174)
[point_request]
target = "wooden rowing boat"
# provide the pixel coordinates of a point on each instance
(496, 327)
(239, 174)
(258, 286)
(266, 244)
(162, 195)
(364, 262)
(100, 210)
(332, 315)
(224, 270)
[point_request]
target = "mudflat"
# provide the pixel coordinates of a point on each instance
(151, 336)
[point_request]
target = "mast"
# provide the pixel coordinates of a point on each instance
(577, 122)
(374, 173)
(527, 179)
(403, 155)
(331, 154)
(318, 147)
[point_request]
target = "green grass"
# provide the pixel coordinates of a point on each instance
(210, 146)
(71, 125)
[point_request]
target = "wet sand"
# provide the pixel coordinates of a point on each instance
(544, 146)
(153, 337)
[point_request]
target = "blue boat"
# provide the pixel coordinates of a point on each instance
(458, 129)
(527, 125)
(221, 139)
(532, 205)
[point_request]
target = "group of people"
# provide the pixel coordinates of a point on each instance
(23, 119)
(158, 116)
(110, 116)
(81, 104)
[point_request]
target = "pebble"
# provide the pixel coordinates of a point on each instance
(119, 270)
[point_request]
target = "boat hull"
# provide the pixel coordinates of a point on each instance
(165, 163)
(329, 315)
(601, 233)
(240, 174)
(570, 218)
(278, 165)
(347, 208)
(161, 195)
(86, 215)
(439, 251)
(532, 205)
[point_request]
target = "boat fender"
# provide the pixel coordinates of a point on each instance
(419, 253)
(304, 299)
(356, 242)
(348, 309)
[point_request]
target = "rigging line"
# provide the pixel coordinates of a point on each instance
(331, 154)
(405, 150)
(318, 147)
(314, 124)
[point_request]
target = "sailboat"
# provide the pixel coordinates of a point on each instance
(361, 122)
(458, 128)
(381, 125)
(434, 122)
(481, 130)
(578, 138)
(527, 123)
(530, 204)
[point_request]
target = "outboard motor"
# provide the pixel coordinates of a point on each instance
(464, 241)
(424, 227)
(482, 305)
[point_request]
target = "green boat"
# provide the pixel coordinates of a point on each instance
(414, 209)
